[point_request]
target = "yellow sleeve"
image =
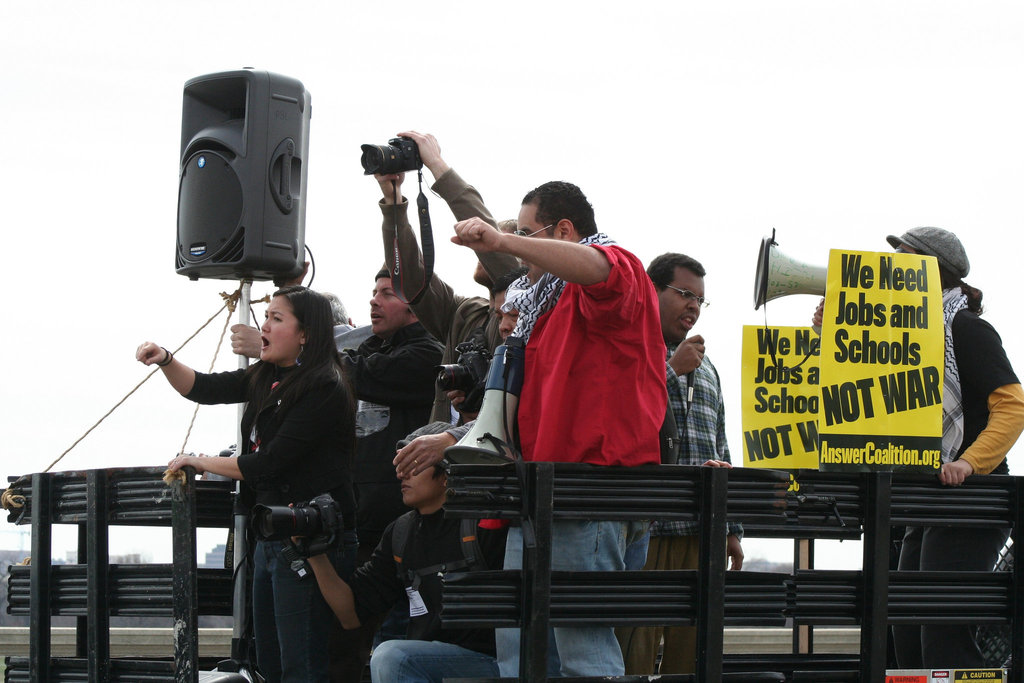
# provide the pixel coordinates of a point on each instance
(1005, 424)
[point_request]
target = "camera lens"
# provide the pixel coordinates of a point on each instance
(307, 521)
(375, 158)
(398, 156)
(450, 377)
(274, 523)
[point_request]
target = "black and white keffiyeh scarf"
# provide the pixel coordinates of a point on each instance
(953, 301)
(533, 300)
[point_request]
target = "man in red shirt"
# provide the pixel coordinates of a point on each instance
(593, 387)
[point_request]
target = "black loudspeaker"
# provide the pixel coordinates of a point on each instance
(242, 184)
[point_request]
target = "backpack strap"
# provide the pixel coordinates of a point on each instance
(472, 556)
(471, 552)
(400, 540)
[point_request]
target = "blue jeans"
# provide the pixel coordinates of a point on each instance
(416, 661)
(291, 620)
(395, 624)
(636, 551)
(583, 545)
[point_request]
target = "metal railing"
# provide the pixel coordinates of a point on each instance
(825, 505)
(95, 590)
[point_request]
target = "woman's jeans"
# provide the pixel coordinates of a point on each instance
(291, 620)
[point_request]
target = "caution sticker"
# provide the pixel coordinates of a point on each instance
(978, 675)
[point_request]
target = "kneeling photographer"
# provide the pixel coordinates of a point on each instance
(407, 566)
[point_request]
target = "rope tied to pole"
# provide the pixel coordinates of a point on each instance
(12, 497)
(231, 300)
(174, 477)
(230, 303)
(12, 500)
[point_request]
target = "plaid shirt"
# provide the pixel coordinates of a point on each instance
(701, 433)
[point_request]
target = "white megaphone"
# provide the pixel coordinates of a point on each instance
(489, 441)
(780, 275)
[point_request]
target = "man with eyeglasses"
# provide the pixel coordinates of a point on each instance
(593, 386)
(695, 398)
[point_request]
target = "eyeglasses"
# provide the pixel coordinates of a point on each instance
(690, 296)
(523, 233)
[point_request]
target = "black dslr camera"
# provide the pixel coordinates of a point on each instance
(469, 374)
(398, 156)
(320, 518)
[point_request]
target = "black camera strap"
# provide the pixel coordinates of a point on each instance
(426, 246)
(296, 556)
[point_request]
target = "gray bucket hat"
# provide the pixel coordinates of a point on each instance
(942, 244)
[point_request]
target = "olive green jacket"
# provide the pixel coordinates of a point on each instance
(449, 317)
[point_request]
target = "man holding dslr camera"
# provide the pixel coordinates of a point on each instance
(451, 318)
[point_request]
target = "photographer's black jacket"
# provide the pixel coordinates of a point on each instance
(398, 373)
(433, 540)
(303, 452)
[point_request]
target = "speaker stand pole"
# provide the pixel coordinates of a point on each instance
(244, 302)
(240, 597)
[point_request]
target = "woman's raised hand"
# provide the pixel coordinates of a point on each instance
(149, 353)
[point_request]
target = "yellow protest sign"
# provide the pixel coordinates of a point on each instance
(780, 397)
(882, 352)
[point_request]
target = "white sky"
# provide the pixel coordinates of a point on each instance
(691, 126)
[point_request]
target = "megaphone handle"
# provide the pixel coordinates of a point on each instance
(689, 390)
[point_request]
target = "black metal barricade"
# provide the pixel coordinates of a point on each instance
(94, 590)
(823, 505)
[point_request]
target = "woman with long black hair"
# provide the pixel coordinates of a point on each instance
(298, 440)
